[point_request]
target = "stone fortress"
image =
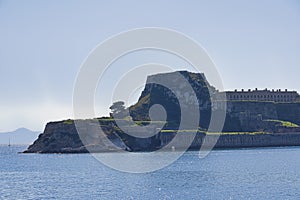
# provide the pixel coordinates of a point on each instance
(254, 118)
(280, 96)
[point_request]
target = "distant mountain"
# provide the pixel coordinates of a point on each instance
(19, 136)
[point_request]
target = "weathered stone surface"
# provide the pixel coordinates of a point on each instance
(241, 116)
(62, 137)
(239, 140)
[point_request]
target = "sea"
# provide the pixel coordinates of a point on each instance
(258, 173)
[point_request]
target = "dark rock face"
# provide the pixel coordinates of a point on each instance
(241, 116)
(63, 137)
(56, 137)
(251, 116)
(158, 94)
(289, 112)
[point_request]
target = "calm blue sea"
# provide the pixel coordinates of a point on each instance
(272, 173)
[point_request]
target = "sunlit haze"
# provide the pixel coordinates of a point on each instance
(254, 44)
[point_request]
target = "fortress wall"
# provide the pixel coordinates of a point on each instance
(263, 95)
(267, 110)
(289, 112)
(242, 140)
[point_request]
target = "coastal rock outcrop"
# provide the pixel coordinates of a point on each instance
(276, 123)
(63, 137)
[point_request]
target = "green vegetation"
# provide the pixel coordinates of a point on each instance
(283, 123)
(69, 121)
(214, 133)
(237, 133)
(182, 131)
(118, 109)
(144, 123)
(144, 100)
(139, 123)
(106, 119)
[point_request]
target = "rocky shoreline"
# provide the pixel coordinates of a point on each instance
(61, 137)
(224, 142)
(247, 123)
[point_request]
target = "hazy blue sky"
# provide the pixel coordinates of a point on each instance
(43, 43)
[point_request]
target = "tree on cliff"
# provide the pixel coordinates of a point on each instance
(118, 110)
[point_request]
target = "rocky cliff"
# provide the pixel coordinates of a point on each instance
(63, 137)
(155, 93)
(278, 121)
(241, 116)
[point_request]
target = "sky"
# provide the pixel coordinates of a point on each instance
(254, 44)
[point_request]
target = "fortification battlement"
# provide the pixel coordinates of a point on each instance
(282, 96)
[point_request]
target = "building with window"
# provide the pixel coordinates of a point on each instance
(281, 96)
